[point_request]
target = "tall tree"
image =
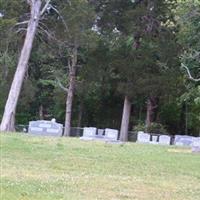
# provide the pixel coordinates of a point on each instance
(140, 25)
(8, 120)
(73, 32)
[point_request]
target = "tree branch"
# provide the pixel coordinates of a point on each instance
(21, 29)
(45, 7)
(61, 85)
(20, 23)
(189, 74)
(65, 25)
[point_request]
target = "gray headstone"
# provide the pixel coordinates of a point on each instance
(111, 134)
(164, 139)
(45, 128)
(143, 137)
(183, 140)
(196, 145)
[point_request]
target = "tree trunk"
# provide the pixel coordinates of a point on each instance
(125, 120)
(41, 112)
(152, 105)
(80, 114)
(149, 118)
(70, 94)
(7, 123)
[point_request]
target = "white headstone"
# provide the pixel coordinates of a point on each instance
(164, 139)
(100, 132)
(89, 133)
(196, 145)
(143, 137)
(154, 139)
(111, 134)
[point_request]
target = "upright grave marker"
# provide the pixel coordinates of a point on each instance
(89, 133)
(143, 137)
(184, 140)
(45, 128)
(164, 139)
(111, 134)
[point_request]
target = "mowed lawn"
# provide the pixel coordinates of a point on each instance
(42, 168)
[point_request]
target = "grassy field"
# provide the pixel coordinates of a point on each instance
(66, 168)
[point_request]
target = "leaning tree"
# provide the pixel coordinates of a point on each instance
(36, 11)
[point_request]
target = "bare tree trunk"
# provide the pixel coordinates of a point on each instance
(70, 94)
(149, 113)
(7, 123)
(125, 120)
(152, 105)
(41, 112)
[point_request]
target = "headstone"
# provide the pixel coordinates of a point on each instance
(89, 133)
(100, 132)
(184, 140)
(164, 139)
(196, 145)
(45, 128)
(154, 139)
(143, 137)
(100, 135)
(111, 134)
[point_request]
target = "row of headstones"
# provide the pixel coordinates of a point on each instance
(179, 140)
(92, 133)
(52, 128)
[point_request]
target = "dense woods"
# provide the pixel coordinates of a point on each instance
(125, 64)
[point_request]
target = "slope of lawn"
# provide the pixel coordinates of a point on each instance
(42, 168)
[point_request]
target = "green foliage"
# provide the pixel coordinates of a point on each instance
(189, 34)
(124, 48)
(139, 127)
(153, 128)
(156, 128)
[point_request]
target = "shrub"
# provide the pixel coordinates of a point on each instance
(153, 128)
(156, 128)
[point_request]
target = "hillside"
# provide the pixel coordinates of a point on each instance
(41, 168)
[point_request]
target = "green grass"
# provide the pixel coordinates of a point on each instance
(37, 168)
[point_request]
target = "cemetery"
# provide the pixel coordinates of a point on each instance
(100, 100)
(52, 128)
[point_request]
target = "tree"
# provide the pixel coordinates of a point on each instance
(140, 27)
(73, 31)
(8, 120)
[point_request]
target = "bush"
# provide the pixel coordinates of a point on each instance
(156, 128)
(153, 128)
(139, 127)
